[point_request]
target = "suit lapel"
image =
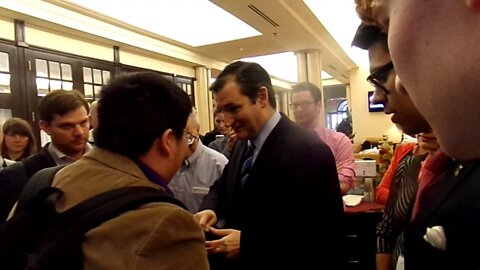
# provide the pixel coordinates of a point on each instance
(271, 145)
(235, 165)
(442, 189)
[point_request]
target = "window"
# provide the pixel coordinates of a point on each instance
(93, 79)
(4, 73)
(52, 75)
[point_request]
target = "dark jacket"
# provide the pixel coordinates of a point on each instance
(14, 177)
(210, 137)
(454, 204)
(290, 210)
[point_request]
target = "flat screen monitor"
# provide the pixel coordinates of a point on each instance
(373, 107)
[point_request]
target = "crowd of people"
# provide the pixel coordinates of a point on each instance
(247, 188)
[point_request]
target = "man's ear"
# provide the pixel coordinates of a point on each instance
(263, 96)
(44, 126)
(165, 143)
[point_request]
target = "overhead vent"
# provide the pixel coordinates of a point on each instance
(263, 15)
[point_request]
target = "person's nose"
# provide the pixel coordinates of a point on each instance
(78, 130)
(378, 96)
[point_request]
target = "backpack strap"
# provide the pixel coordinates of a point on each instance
(92, 213)
(38, 182)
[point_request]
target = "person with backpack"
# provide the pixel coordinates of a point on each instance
(138, 144)
(63, 116)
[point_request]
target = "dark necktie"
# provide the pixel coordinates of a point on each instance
(247, 164)
(433, 167)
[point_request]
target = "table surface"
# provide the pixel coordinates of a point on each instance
(365, 207)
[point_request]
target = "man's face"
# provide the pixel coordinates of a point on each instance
(404, 113)
(305, 109)
(434, 46)
(69, 132)
(240, 112)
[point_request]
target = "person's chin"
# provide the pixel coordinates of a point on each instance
(78, 145)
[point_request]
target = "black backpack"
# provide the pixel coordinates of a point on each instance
(37, 237)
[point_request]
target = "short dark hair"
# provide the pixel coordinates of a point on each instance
(18, 126)
(310, 87)
(249, 76)
(60, 102)
(367, 35)
(135, 109)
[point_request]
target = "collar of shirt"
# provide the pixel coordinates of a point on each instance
(61, 158)
(266, 130)
(195, 155)
(154, 177)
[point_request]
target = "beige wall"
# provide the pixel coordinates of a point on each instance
(64, 42)
(365, 123)
(8, 29)
(145, 61)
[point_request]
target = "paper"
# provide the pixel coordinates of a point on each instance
(352, 200)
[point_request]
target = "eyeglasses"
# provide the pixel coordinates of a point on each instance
(304, 105)
(380, 77)
(191, 138)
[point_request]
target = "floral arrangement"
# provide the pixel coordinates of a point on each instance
(385, 157)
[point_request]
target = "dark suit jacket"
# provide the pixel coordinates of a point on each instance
(290, 210)
(454, 204)
(14, 177)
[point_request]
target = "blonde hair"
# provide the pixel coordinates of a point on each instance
(367, 10)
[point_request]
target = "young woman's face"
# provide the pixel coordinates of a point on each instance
(15, 142)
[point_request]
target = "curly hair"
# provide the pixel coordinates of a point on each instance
(367, 10)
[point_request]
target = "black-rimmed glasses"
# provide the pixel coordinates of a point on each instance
(380, 77)
(304, 105)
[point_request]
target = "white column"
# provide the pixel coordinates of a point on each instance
(202, 98)
(309, 65)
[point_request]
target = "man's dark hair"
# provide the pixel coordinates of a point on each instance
(135, 109)
(60, 102)
(249, 77)
(367, 35)
(310, 87)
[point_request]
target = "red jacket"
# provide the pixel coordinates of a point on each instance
(383, 187)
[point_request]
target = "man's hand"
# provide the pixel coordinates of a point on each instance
(232, 138)
(206, 218)
(229, 244)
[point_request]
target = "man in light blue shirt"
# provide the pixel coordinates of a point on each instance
(200, 169)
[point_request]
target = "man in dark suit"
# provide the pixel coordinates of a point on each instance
(286, 210)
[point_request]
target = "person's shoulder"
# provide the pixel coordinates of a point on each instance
(338, 136)
(6, 161)
(12, 169)
(167, 216)
(301, 138)
(214, 155)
